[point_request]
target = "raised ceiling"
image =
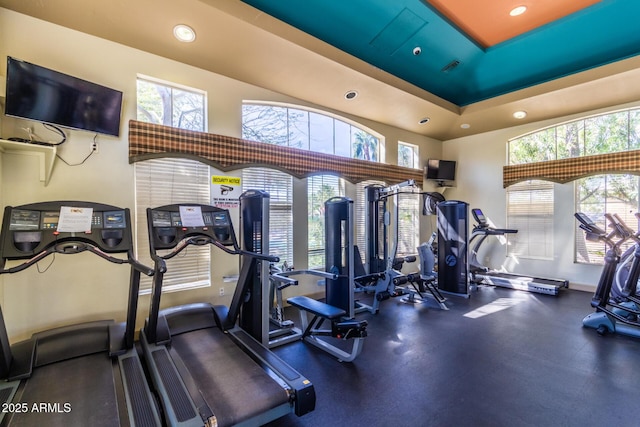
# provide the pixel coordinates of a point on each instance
(563, 57)
(470, 50)
(489, 25)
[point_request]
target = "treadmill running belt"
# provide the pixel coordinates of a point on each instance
(234, 386)
(75, 392)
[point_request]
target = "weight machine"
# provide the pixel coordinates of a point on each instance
(339, 306)
(264, 318)
(384, 278)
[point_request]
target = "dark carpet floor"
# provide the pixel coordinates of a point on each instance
(500, 358)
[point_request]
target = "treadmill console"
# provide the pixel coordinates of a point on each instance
(168, 225)
(29, 229)
(479, 217)
(484, 226)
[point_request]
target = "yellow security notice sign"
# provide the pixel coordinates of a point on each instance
(225, 191)
(228, 180)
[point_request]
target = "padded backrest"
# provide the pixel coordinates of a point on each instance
(427, 260)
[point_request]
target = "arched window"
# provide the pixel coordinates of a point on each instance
(308, 130)
(297, 127)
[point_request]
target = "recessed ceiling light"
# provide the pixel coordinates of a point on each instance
(518, 10)
(424, 120)
(465, 126)
(184, 33)
(520, 114)
(351, 94)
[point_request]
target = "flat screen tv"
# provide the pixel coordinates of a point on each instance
(441, 170)
(37, 93)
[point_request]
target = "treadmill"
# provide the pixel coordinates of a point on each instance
(481, 274)
(205, 368)
(81, 374)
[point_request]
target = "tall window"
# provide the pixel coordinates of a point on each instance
(320, 188)
(408, 155)
(408, 204)
(279, 185)
(596, 195)
(171, 180)
(606, 133)
(308, 130)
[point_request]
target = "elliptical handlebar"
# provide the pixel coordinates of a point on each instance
(632, 234)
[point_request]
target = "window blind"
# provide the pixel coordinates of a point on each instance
(530, 211)
(408, 223)
(279, 185)
(166, 181)
(360, 212)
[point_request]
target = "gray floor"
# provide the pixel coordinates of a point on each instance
(500, 358)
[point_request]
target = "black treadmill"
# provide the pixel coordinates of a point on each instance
(81, 374)
(205, 368)
(481, 274)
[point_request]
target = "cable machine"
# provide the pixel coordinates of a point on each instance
(382, 267)
(263, 317)
(339, 307)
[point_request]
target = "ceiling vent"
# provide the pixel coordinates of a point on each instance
(451, 66)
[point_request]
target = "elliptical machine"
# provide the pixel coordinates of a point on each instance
(621, 288)
(609, 315)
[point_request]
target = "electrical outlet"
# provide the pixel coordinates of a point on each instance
(94, 146)
(221, 292)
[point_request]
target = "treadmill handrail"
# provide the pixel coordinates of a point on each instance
(73, 247)
(202, 239)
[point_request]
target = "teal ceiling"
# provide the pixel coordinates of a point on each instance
(384, 34)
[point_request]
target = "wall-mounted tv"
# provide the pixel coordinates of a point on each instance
(441, 170)
(40, 94)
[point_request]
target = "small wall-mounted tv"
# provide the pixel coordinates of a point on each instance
(441, 170)
(40, 94)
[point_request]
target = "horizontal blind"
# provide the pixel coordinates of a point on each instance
(279, 185)
(166, 181)
(320, 188)
(408, 223)
(530, 211)
(360, 211)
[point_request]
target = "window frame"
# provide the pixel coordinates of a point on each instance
(194, 178)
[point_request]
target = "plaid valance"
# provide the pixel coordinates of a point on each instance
(148, 140)
(565, 170)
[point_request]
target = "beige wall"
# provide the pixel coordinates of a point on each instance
(33, 301)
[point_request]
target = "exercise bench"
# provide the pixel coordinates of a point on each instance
(341, 328)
